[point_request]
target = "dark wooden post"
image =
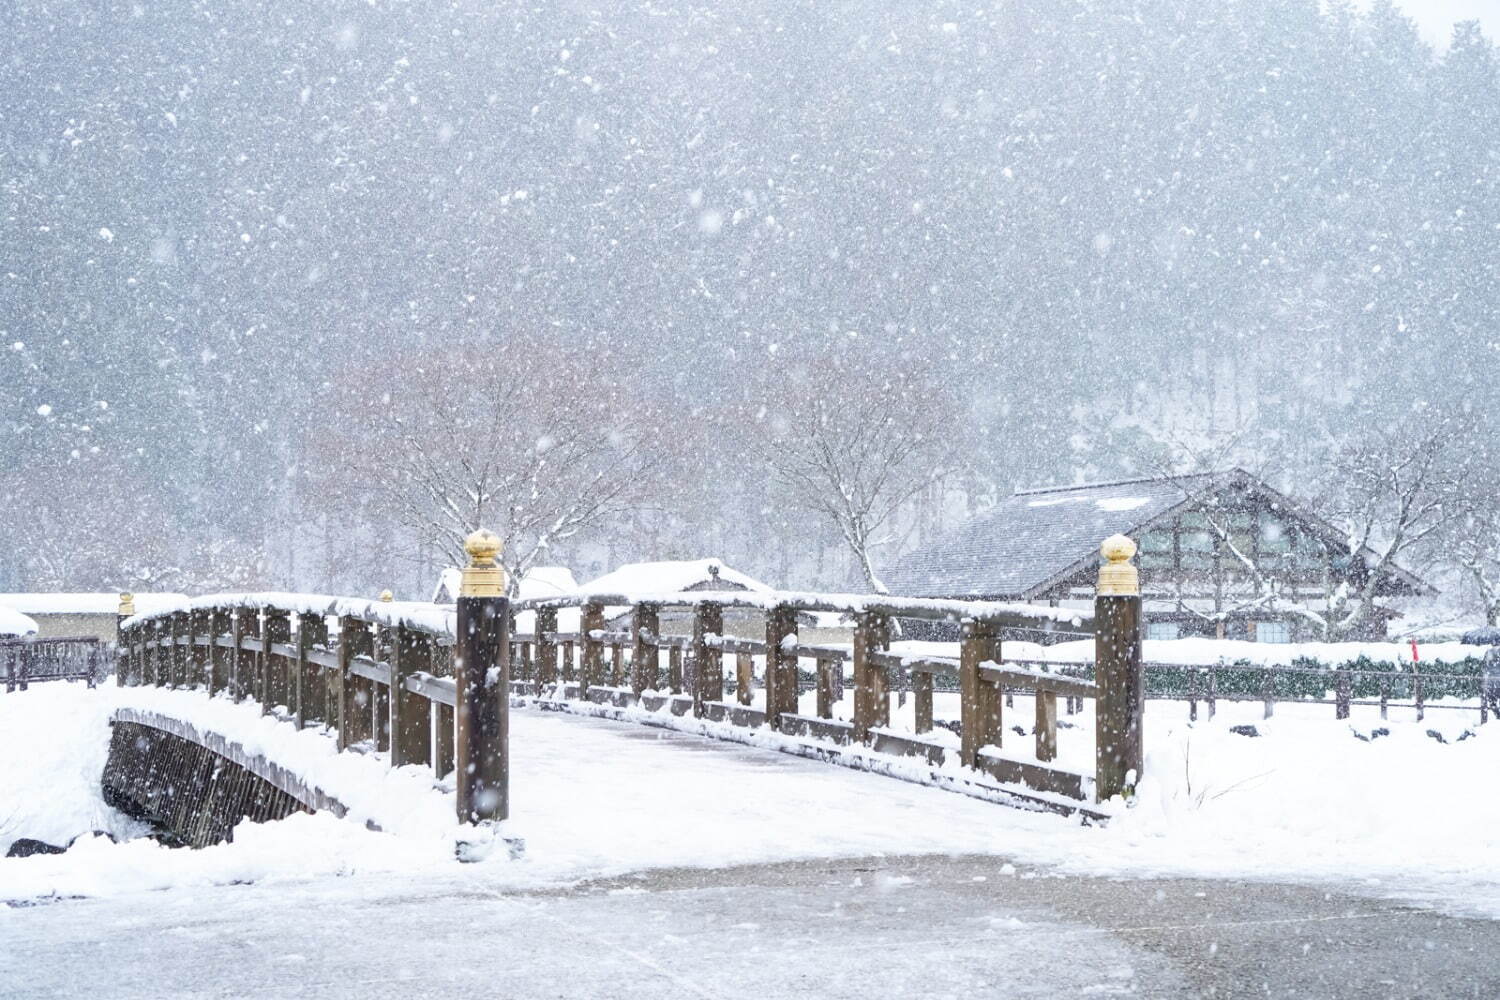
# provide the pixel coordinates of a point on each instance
(382, 650)
(481, 666)
(568, 674)
(826, 667)
(175, 671)
(674, 669)
(446, 728)
(872, 702)
(1343, 694)
(645, 658)
(546, 648)
(1385, 695)
(921, 685)
(278, 630)
(236, 655)
(218, 673)
(1117, 670)
(708, 666)
(979, 700)
(781, 664)
(590, 648)
(744, 677)
(1268, 691)
(125, 666)
(312, 705)
(411, 714)
(250, 661)
(353, 718)
(1046, 725)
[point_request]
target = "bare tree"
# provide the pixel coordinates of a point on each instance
(853, 440)
(1396, 491)
(518, 437)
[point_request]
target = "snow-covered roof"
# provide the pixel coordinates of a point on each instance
(547, 581)
(1036, 539)
(13, 623)
(86, 604)
(673, 578)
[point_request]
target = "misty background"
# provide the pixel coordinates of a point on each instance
(269, 270)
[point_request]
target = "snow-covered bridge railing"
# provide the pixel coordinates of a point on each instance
(24, 661)
(431, 685)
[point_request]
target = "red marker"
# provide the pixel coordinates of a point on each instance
(1414, 657)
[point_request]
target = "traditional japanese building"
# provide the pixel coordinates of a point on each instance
(1221, 554)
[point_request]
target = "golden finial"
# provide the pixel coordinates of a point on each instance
(482, 578)
(127, 604)
(1117, 577)
(386, 596)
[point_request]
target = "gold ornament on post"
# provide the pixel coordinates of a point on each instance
(482, 577)
(127, 604)
(1117, 577)
(386, 597)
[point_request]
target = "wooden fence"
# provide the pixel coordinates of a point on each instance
(25, 661)
(1342, 688)
(395, 678)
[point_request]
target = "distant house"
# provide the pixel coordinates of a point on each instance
(82, 615)
(1221, 554)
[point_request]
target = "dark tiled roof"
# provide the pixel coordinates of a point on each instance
(1030, 539)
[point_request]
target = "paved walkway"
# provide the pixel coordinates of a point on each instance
(890, 927)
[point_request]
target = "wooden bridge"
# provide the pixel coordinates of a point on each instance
(433, 686)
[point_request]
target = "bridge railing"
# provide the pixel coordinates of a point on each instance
(381, 674)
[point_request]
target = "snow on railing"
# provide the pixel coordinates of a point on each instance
(389, 676)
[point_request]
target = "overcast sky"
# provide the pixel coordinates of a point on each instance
(1436, 17)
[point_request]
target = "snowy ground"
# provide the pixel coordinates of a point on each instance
(1402, 816)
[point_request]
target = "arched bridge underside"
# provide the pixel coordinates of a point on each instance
(195, 786)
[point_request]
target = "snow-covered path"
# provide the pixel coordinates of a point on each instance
(1307, 803)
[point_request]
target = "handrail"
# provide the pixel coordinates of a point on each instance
(373, 672)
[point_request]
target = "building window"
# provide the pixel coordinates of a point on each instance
(1272, 632)
(1163, 630)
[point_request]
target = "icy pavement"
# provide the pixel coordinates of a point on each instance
(856, 928)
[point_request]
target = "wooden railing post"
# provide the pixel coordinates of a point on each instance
(312, 692)
(825, 669)
(645, 655)
(411, 714)
(546, 648)
(707, 660)
(481, 666)
(382, 650)
(872, 702)
(979, 700)
(177, 663)
(781, 664)
(1046, 725)
(352, 710)
(921, 685)
(278, 630)
(590, 648)
(1343, 694)
(124, 665)
(1117, 670)
(447, 728)
(744, 678)
(236, 655)
(217, 673)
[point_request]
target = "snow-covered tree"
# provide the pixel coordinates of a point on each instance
(527, 435)
(852, 437)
